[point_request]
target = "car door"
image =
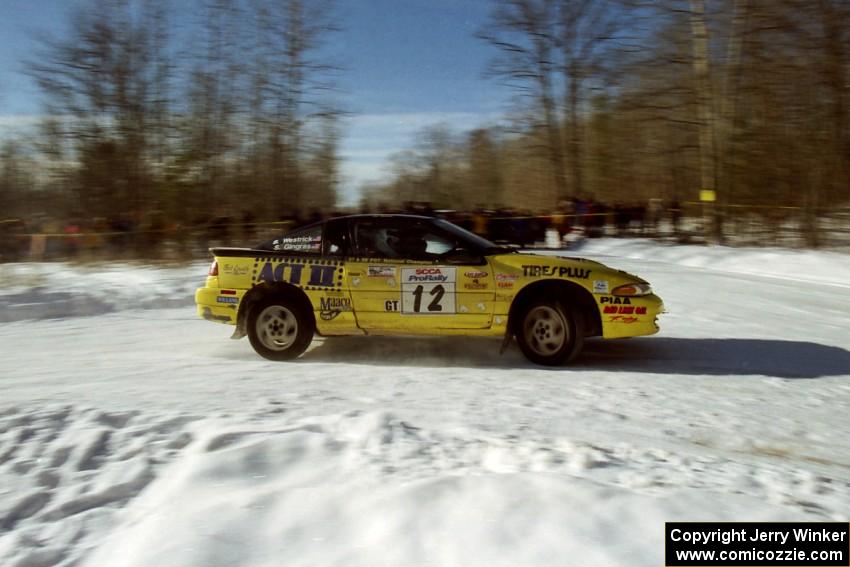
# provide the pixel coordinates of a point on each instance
(404, 278)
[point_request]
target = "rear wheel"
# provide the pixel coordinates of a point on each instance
(550, 333)
(280, 328)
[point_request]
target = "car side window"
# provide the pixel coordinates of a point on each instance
(438, 244)
(380, 238)
(377, 239)
(335, 238)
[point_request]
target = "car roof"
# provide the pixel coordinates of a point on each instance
(381, 216)
(362, 216)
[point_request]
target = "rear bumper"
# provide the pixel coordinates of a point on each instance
(638, 318)
(217, 307)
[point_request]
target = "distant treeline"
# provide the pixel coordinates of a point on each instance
(629, 100)
(621, 101)
(150, 116)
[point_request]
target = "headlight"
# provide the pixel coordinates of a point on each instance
(632, 290)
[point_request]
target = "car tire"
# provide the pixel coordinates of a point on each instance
(280, 328)
(550, 333)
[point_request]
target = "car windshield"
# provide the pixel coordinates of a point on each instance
(470, 239)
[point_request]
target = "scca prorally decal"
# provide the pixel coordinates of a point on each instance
(316, 275)
(435, 274)
(555, 271)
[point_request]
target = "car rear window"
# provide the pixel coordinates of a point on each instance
(307, 240)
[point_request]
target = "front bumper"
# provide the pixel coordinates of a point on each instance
(637, 318)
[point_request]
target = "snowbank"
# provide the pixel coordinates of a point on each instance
(352, 491)
(56, 289)
(798, 265)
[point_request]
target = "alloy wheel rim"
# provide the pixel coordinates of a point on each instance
(277, 327)
(545, 330)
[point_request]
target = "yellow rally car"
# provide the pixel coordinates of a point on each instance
(411, 275)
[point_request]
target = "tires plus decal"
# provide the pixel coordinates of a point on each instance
(306, 273)
(556, 271)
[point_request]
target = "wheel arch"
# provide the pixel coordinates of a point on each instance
(574, 294)
(263, 291)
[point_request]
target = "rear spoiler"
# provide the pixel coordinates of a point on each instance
(255, 253)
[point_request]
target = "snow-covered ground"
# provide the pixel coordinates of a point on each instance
(141, 435)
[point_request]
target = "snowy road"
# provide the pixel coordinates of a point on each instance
(146, 436)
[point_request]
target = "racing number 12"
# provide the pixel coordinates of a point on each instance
(437, 293)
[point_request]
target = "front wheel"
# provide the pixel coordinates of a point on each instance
(280, 328)
(550, 333)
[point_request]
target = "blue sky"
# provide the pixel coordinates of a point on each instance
(408, 64)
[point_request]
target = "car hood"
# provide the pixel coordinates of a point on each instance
(523, 264)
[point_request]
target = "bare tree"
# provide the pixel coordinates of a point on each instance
(589, 38)
(526, 34)
(292, 35)
(98, 86)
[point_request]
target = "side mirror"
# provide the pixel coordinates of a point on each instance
(462, 256)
